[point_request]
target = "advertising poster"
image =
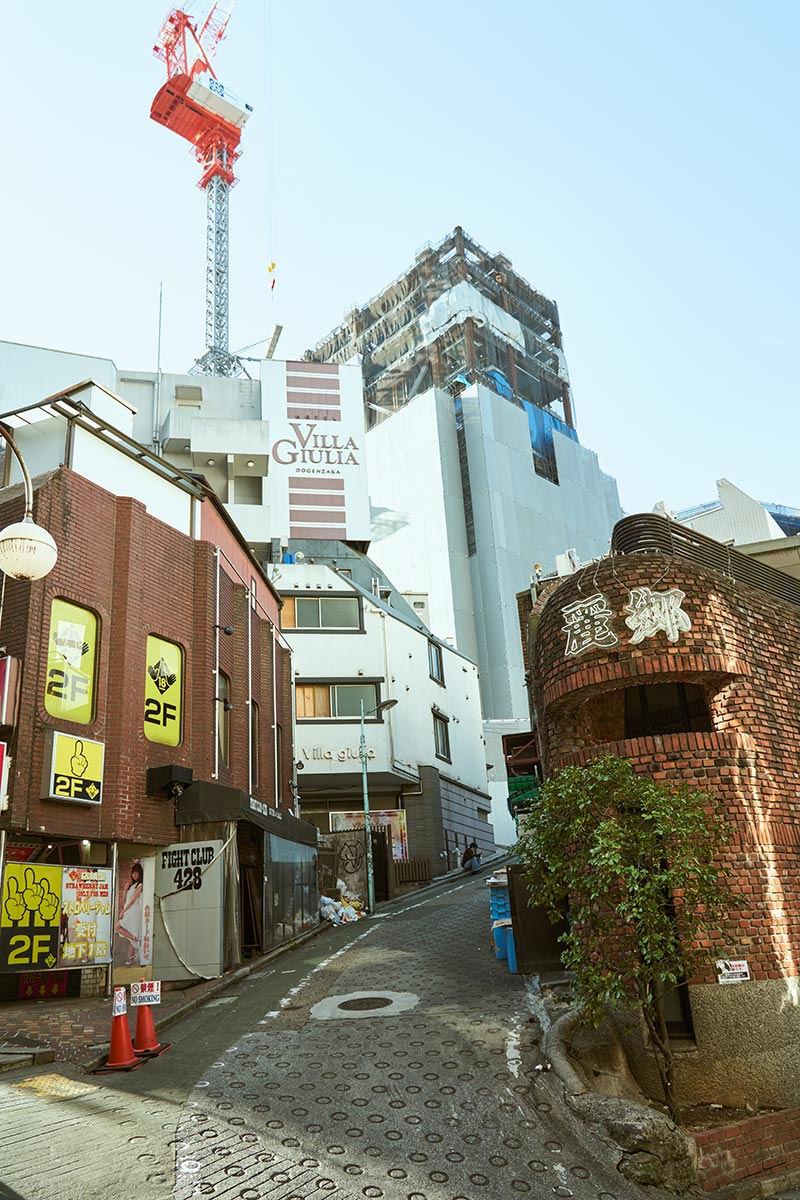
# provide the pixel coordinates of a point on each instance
(30, 917)
(71, 652)
(163, 688)
(133, 924)
(393, 820)
(85, 926)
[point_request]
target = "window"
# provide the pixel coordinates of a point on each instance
(665, 708)
(71, 660)
(223, 703)
(435, 665)
(163, 691)
(321, 612)
(334, 701)
(247, 489)
(279, 768)
(441, 736)
(254, 728)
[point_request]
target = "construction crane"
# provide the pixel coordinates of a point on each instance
(195, 105)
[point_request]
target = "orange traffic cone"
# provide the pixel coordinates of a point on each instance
(122, 1057)
(147, 1044)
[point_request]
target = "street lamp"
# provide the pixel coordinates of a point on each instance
(26, 550)
(379, 708)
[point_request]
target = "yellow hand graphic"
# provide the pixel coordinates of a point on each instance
(50, 903)
(33, 893)
(14, 906)
(79, 762)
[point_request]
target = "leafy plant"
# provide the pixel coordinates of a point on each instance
(639, 864)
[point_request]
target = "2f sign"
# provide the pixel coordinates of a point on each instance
(163, 690)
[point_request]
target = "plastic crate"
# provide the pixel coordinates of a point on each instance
(499, 901)
(500, 930)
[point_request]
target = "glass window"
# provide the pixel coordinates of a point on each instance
(254, 757)
(279, 769)
(665, 708)
(326, 612)
(315, 701)
(163, 692)
(71, 663)
(223, 716)
(435, 665)
(441, 737)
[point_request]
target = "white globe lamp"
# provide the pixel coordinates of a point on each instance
(27, 551)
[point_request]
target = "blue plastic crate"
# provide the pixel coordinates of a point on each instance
(500, 931)
(499, 902)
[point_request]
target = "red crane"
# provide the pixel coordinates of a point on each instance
(195, 105)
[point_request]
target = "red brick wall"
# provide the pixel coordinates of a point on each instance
(139, 576)
(763, 1145)
(743, 649)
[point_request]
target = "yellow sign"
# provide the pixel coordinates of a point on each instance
(76, 769)
(30, 917)
(71, 656)
(163, 691)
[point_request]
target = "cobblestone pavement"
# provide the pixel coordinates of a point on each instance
(277, 1092)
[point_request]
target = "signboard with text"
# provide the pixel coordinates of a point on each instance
(188, 911)
(75, 769)
(53, 916)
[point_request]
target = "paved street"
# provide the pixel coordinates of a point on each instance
(273, 1090)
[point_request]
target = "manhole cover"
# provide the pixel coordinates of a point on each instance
(351, 1006)
(367, 1002)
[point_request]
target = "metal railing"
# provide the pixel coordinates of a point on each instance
(648, 533)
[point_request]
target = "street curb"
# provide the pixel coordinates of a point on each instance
(218, 985)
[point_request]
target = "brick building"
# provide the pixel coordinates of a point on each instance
(154, 713)
(682, 655)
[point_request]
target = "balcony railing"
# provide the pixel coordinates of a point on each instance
(647, 533)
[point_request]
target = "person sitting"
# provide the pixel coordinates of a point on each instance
(471, 858)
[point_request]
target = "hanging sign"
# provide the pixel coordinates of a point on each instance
(76, 769)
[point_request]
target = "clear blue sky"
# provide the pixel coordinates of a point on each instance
(636, 161)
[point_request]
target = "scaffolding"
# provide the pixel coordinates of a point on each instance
(501, 332)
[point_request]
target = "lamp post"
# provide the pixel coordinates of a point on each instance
(26, 550)
(379, 708)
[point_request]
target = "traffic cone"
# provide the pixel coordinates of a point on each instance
(146, 1044)
(122, 1057)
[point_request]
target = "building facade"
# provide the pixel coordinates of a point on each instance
(476, 473)
(150, 793)
(681, 654)
(426, 767)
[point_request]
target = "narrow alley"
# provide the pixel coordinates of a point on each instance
(394, 1058)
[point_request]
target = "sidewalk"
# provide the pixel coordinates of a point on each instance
(78, 1030)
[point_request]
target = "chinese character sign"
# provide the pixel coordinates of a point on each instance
(587, 623)
(85, 935)
(652, 612)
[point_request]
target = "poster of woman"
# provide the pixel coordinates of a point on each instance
(133, 928)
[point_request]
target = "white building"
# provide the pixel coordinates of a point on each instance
(735, 518)
(425, 756)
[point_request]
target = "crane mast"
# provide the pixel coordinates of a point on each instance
(195, 105)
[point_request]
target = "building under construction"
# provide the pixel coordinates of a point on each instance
(476, 474)
(459, 315)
